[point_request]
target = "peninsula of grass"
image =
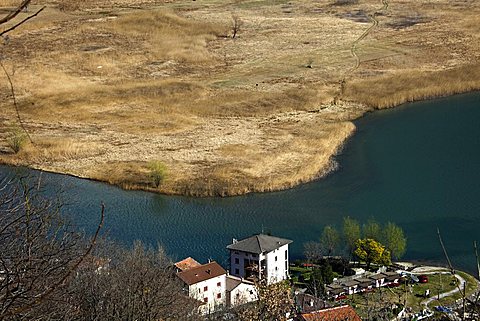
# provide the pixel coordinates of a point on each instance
(230, 96)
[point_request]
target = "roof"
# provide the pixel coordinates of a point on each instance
(201, 273)
(377, 276)
(187, 264)
(233, 281)
(350, 283)
(364, 280)
(258, 244)
(391, 276)
(342, 313)
(335, 289)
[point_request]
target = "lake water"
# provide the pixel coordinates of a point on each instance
(416, 165)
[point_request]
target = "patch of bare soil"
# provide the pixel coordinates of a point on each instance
(106, 87)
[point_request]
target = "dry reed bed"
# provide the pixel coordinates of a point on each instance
(104, 87)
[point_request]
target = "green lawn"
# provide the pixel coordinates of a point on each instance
(414, 294)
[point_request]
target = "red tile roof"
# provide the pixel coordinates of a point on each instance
(201, 273)
(187, 264)
(343, 313)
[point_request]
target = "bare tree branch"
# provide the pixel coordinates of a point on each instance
(15, 12)
(21, 22)
(476, 257)
(39, 299)
(14, 99)
(452, 270)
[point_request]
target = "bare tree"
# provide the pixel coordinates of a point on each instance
(313, 251)
(39, 252)
(136, 284)
(237, 23)
(5, 21)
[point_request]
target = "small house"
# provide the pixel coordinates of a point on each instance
(351, 286)
(379, 279)
(365, 284)
(239, 291)
(335, 290)
(391, 277)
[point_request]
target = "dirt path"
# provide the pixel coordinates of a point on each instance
(353, 49)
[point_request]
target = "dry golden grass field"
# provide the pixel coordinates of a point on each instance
(105, 87)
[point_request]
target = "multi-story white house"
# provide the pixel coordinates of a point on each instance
(205, 283)
(260, 257)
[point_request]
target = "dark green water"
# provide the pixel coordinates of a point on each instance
(416, 165)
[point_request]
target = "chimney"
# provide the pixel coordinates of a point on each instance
(235, 241)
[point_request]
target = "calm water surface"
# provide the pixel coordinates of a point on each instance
(416, 165)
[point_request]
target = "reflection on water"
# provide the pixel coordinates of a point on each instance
(416, 165)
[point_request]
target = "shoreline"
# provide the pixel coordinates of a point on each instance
(330, 168)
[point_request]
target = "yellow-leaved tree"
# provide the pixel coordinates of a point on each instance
(371, 251)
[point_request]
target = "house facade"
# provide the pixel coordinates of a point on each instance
(260, 257)
(207, 284)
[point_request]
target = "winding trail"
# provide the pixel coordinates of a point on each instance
(353, 49)
(462, 281)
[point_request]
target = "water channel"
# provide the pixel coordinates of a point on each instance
(416, 165)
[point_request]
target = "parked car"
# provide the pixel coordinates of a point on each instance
(443, 309)
(423, 279)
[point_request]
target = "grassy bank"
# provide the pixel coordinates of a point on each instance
(105, 87)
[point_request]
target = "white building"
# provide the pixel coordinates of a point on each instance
(240, 291)
(260, 257)
(205, 283)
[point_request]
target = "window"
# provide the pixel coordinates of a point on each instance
(286, 254)
(276, 259)
(286, 266)
(276, 268)
(237, 261)
(205, 288)
(254, 255)
(237, 271)
(205, 300)
(219, 284)
(219, 296)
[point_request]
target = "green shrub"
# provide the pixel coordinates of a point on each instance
(16, 139)
(158, 172)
